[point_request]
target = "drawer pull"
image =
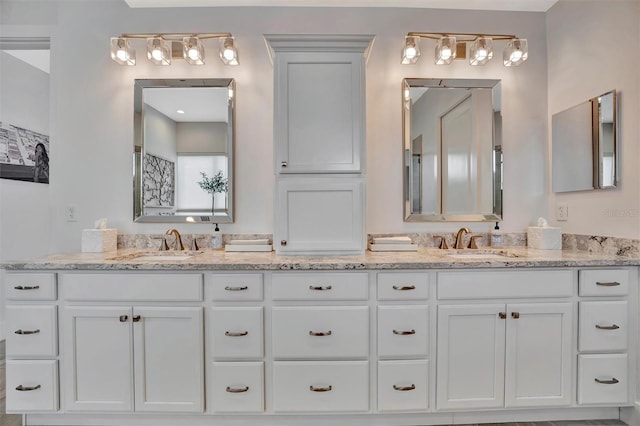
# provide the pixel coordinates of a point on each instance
(237, 390)
(404, 332)
(404, 287)
(236, 333)
(607, 327)
(613, 381)
(608, 284)
(240, 288)
(22, 332)
(27, 388)
(320, 333)
(320, 288)
(404, 388)
(123, 318)
(320, 389)
(27, 287)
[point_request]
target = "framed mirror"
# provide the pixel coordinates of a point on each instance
(183, 150)
(452, 150)
(585, 145)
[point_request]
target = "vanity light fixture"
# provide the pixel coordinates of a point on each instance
(162, 48)
(450, 46)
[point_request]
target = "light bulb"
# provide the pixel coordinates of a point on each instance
(516, 55)
(156, 54)
(445, 53)
(122, 54)
(229, 54)
(481, 54)
(193, 53)
(410, 52)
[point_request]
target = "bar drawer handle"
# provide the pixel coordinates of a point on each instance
(23, 332)
(236, 333)
(27, 388)
(239, 288)
(613, 381)
(404, 332)
(607, 327)
(320, 389)
(320, 333)
(608, 284)
(404, 287)
(237, 390)
(27, 287)
(404, 388)
(320, 288)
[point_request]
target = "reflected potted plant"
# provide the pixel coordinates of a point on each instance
(216, 184)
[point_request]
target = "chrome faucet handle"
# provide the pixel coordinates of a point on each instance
(443, 242)
(472, 241)
(163, 244)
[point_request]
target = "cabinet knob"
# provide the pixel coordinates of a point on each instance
(502, 315)
(23, 332)
(283, 164)
(27, 388)
(515, 315)
(136, 318)
(283, 242)
(124, 318)
(27, 287)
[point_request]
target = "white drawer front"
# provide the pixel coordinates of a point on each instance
(32, 386)
(335, 386)
(236, 332)
(32, 330)
(236, 387)
(403, 286)
(236, 287)
(603, 326)
(166, 287)
(30, 286)
(320, 286)
(403, 385)
(504, 284)
(320, 332)
(603, 282)
(610, 371)
(403, 331)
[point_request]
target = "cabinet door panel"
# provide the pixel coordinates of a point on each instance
(168, 348)
(538, 355)
(96, 359)
(470, 364)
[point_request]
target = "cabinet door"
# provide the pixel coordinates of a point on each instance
(96, 358)
(470, 364)
(319, 112)
(320, 216)
(538, 354)
(169, 357)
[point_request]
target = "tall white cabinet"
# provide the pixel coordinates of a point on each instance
(319, 142)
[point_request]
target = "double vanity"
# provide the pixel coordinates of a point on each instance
(430, 337)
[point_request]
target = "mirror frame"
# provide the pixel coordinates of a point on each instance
(138, 149)
(407, 84)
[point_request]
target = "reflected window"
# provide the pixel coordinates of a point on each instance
(191, 199)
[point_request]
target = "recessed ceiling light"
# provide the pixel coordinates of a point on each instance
(180, 111)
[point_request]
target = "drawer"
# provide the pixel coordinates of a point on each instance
(603, 282)
(116, 287)
(236, 332)
(32, 386)
(602, 379)
(32, 330)
(320, 286)
(236, 387)
(330, 386)
(30, 286)
(504, 284)
(320, 332)
(236, 287)
(603, 326)
(403, 385)
(403, 286)
(403, 331)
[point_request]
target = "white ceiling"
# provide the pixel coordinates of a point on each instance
(200, 104)
(514, 5)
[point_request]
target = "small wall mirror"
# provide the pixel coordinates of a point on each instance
(183, 128)
(452, 150)
(585, 145)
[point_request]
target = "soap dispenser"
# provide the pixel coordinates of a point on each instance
(216, 238)
(496, 236)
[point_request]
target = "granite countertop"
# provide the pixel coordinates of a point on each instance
(219, 260)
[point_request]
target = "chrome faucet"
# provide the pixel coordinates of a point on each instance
(177, 243)
(459, 235)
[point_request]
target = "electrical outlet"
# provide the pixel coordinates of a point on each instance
(71, 213)
(562, 211)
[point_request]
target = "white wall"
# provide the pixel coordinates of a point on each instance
(593, 47)
(202, 137)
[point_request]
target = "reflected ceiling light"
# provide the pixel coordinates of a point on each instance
(179, 111)
(450, 46)
(162, 48)
(411, 50)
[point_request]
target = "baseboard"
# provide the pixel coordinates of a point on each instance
(631, 415)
